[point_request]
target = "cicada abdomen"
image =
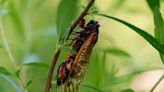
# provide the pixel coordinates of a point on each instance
(72, 71)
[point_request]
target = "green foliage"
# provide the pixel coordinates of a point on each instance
(153, 4)
(13, 83)
(37, 64)
(159, 26)
(33, 29)
(29, 82)
(117, 52)
(158, 22)
(17, 73)
(67, 11)
(141, 32)
(5, 71)
(127, 90)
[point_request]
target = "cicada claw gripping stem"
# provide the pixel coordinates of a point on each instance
(53, 63)
(72, 71)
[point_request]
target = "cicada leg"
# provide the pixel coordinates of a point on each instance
(82, 23)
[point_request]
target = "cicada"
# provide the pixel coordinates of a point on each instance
(72, 71)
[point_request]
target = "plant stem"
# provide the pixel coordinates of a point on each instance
(157, 83)
(51, 70)
(84, 13)
(6, 46)
(53, 63)
(9, 53)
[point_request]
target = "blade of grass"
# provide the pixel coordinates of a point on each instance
(117, 51)
(153, 4)
(141, 32)
(130, 76)
(37, 64)
(158, 22)
(159, 29)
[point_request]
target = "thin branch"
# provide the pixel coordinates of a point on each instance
(84, 13)
(51, 70)
(157, 83)
(53, 63)
(6, 45)
(8, 51)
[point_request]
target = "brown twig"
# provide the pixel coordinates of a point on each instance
(53, 63)
(80, 17)
(157, 83)
(50, 73)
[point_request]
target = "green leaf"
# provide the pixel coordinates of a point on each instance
(13, 83)
(37, 64)
(159, 29)
(29, 82)
(128, 90)
(67, 11)
(141, 32)
(17, 73)
(5, 71)
(159, 26)
(130, 76)
(117, 51)
(158, 22)
(153, 4)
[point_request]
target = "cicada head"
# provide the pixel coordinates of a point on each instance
(93, 26)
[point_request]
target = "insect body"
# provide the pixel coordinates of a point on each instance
(72, 71)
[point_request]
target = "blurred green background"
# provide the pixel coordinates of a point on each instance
(31, 29)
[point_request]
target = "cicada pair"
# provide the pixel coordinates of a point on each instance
(72, 71)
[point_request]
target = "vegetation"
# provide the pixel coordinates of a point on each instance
(32, 30)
